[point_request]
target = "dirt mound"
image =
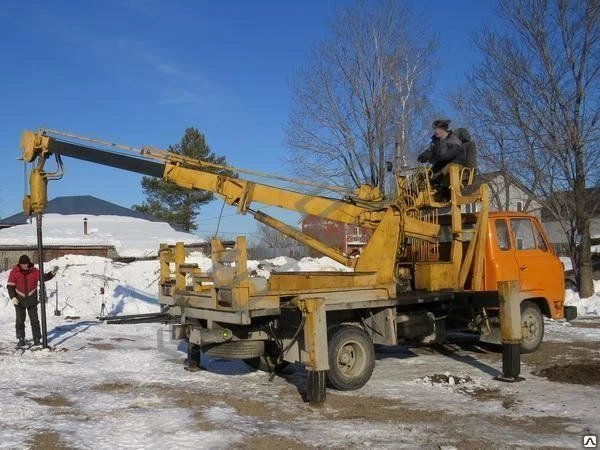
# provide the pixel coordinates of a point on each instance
(576, 373)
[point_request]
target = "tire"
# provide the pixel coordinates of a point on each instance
(532, 326)
(351, 358)
(236, 349)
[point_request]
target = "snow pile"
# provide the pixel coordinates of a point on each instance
(585, 306)
(76, 290)
(286, 264)
(567, 263)
(130, 236)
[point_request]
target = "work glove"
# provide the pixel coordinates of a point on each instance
(54, 270)
(15, 301)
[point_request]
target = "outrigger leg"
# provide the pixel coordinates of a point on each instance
(315, 347)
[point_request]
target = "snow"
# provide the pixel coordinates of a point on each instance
(567, 263)
(87, 375)
(287, 264)
(131, 237)
(585, 306)
(122, 386)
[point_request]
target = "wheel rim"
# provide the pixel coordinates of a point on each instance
(530, 327)
(351, 359)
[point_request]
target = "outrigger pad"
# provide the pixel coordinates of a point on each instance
(315, 387)
(511, 363)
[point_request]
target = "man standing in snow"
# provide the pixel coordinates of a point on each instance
(22, 289)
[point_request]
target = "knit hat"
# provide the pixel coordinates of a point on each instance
(24, 259)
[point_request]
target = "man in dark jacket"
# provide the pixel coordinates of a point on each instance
(445, 147)
(22, 289)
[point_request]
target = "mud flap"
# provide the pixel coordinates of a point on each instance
(570, 313)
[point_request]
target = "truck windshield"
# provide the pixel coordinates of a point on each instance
(524, 239)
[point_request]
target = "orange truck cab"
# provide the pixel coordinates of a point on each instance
(518, 249)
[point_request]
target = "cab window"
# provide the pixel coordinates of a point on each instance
(502, 235)
(524, 238)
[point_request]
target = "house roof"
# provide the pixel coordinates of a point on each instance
(81, 204)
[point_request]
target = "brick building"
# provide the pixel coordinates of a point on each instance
(344, 237)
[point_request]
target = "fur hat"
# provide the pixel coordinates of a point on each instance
(24, 259)
(441, 123)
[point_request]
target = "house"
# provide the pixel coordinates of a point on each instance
(558, 232)
(506, 194)
(347, 238)
(79, 204)
(85, 225)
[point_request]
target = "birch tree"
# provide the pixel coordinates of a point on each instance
(358, 102)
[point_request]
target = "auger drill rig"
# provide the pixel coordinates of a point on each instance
(426, 269)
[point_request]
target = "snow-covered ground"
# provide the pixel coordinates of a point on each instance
(91, 360)
(117, 386)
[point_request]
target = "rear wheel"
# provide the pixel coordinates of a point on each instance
(351, 358)
(532, 326)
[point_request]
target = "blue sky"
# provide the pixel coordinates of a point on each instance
(138, 72)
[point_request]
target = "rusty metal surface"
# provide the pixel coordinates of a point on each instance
(510, 311)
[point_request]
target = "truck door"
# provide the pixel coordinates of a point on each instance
(502, 255)
(540, 271)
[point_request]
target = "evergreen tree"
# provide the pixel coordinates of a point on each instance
(178, 206)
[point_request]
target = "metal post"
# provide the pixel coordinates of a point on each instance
(510, 327)
(38, 221)
(315, 346)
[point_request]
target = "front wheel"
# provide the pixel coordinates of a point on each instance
(532, 326)
(351, 358)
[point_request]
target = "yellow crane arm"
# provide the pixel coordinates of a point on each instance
(365, 210)
(242, 193)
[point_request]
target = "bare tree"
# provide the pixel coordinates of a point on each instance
(535, 101)
(273, 238)
(361, 94)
